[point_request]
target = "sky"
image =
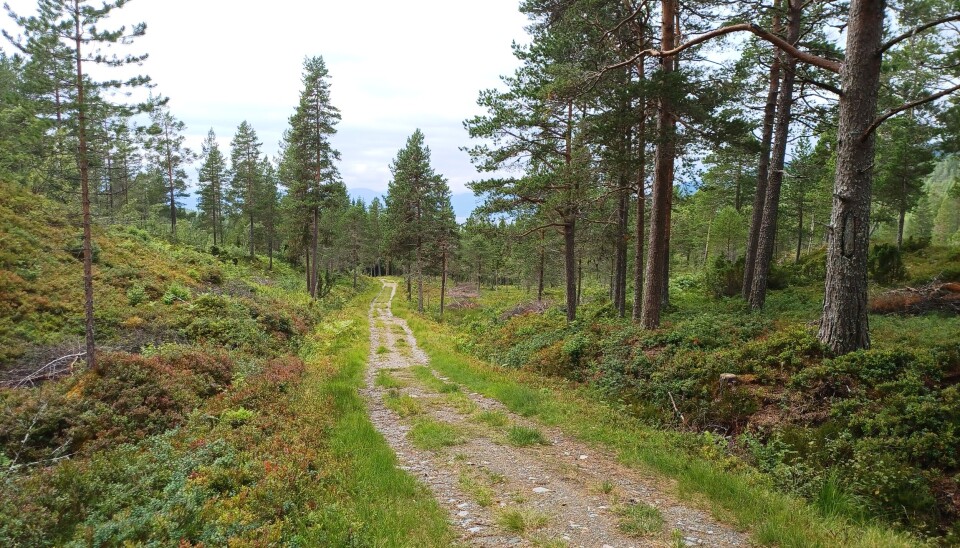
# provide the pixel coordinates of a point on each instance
(395, 66)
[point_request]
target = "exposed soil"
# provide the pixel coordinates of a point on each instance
(558, 492)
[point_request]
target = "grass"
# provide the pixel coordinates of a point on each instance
(425, 375)
(382, 349)
(492, 418)
(482, 494)
(742, 497)
(605, 487)
(461, 402)
(521, 520)
(640, 519)
(430, 434)
(386, 506)
(385, 379)
(524, 436)
(402, 404)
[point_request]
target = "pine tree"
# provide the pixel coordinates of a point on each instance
(165, 145)
(415, 203)
(309, 163)
(246, 176)
(76, 26)
(213, 179)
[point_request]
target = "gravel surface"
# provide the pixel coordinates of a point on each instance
(559, 492)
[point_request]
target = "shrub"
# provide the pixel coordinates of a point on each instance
(886, 264)
(136, 295)
(725, 278)
(176, 292)
(75, 248)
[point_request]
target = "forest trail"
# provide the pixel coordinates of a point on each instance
(504, 479)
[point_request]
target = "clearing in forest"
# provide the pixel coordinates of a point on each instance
(507, 480)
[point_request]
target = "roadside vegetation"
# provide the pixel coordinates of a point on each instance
(744, 408)
(227, 409)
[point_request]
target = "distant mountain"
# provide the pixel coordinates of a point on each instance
(463, 203)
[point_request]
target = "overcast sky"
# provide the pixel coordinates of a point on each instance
(395, 66)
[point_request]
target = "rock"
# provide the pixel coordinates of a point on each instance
(463, 513)
(475, 529)
(540, 490)
(728, 378)
(583, 457)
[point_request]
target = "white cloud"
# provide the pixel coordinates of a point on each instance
(395, 66)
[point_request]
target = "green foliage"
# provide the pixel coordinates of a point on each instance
(176, 293)
(724, 278)
(136, 295)
(522, 436)
(886, 264)
(433, 435)
(640, 519)
(237, 417)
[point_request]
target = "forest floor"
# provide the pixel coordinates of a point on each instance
(506, 479)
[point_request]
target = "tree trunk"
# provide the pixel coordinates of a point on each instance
(251, 235)
(903, 216)
(763, 169)
(315, 245)
(85, 201)
(419, 278)
(443, 282)
(173, 201)
(844, 325)
(641, 205)
(771, 204)
(799, 232)
(570, 266)
(662, 185)
(541, 267)
(622, 238)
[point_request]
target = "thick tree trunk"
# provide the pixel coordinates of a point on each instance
(570, 266)
(763, 169)
(85, 202)
(771, 204)
(657, 255)
(315, 251)
(844, 325)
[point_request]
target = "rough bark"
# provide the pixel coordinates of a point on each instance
(570, 266)
(315, 251)
(844, 325)
(771, 204)
(662, 186)
(766, 140)
(85, 201)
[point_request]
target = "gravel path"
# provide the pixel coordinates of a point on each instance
(498, 487)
